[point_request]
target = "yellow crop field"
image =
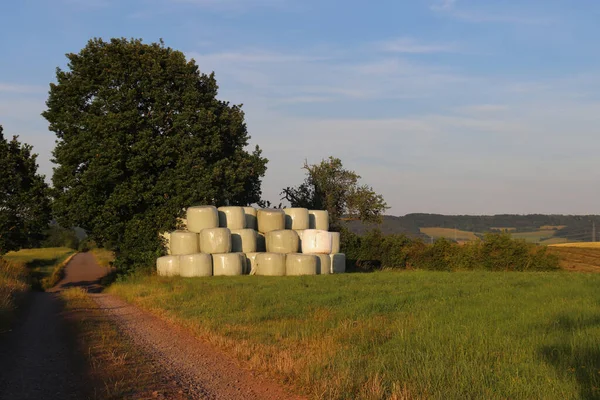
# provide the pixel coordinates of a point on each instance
(587, 245)
(546, 227)
(448, 233)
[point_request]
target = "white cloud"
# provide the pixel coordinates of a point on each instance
(443, 5)
(411, 46)
(449, 7)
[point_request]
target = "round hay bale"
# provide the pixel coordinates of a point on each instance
(228, 264)
(299, 232)
(338, 263)
(335, 242)
(251, 263)
(300, 264)
(167, 266)
(323, 264)
(283, 241)
(251, 222)
(202, 217)
(261, 242)
(192, 265)
(296, 218)
(316, 241)
(318, 219)
(184, 242)
(232, 217)
(270, 264)
(270, 220)
(215, 240)
(243, 240)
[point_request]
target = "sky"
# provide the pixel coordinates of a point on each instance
(442, 106)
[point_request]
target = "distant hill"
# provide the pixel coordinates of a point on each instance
(574, 227)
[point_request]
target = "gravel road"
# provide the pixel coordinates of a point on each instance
(38, 359)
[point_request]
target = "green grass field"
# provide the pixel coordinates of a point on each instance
(43, 264)
(471, 335)
(449, 233)
(534, 236)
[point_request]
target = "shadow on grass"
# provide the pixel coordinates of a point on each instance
(577, 359)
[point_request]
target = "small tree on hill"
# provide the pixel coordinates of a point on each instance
(24, 200)
(141, 135)
(328, 186)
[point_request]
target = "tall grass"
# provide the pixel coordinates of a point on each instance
(478, 335)
(44, 266)
(13, 282)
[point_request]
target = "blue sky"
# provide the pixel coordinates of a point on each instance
(449, 106)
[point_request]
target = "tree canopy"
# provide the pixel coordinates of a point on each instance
(329, 186)
(141, 135)
(24, 200)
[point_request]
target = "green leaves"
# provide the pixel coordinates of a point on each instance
(141, 135)
(328, 186)
(24, 197)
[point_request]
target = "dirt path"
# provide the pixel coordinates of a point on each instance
(38, 358)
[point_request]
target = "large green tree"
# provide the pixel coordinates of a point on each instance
(142, 135)
(329, 186)
(24, 201)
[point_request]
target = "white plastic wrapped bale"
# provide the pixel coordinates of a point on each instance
(300, 264)
(299, 232)
(228, 264)
(251, 263)
(261, 242)
(318, 219)
(338, 263)
(183, 242)
(296, 218)
(323, 264)
(167, 266)
(202, 217)
(166, 239)
(243, 240)
(269, 219)
(335, 242)
(250, 213)
(215, 240)
(232, 217)
(192, 265)
(283, 241)
(316, 241)
(270, 264)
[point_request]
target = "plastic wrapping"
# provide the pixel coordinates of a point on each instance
(202, 217)
(261, 242)
(251, 222)
(335, 242)
(270, 220)
(318, 219)
(300, 264)
(270, 264)
(251, 263)
(299, 232)
(167, 266)
(215, 240)
(323, 264)
(243, 240)
(183, 242)
(296, 218)
(282, 241)
(338, 263)
(193, 265)
(228, 264)
(232, 217)
(316, 242)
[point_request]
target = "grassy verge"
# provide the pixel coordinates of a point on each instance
(13, 283)
(398, 335)
(103, 257)
(118, 370)
(45, 266)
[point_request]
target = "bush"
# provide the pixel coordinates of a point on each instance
(496, 252)
(57, 236)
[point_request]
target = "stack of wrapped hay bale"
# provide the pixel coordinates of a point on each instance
(244, 240)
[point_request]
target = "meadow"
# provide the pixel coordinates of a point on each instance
(398, 335)
(44, 266)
